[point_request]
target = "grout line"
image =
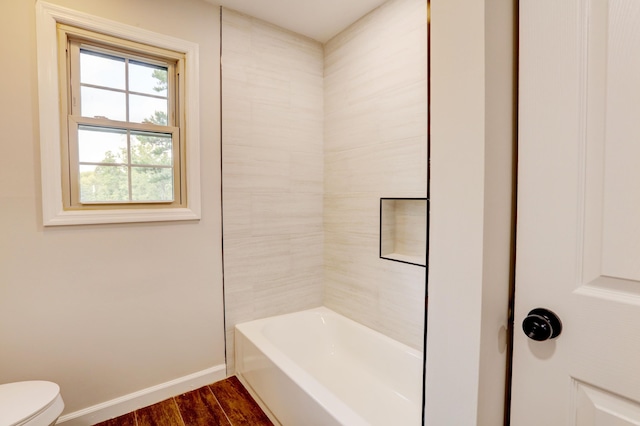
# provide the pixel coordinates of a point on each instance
(224, 298)
(179, 412)
(219, 405)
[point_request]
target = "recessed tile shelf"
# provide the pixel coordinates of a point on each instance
(403, 230)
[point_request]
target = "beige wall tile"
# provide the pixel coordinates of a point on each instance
(375, 146)
(272, 171)
(312, 138)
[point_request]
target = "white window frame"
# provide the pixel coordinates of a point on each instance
(53, 212)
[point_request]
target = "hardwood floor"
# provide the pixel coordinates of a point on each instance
(224, 403)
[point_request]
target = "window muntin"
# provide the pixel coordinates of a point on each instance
(122, 166)
(123, 130)
(120, 88)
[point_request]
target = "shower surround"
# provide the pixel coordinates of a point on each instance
(312, 137)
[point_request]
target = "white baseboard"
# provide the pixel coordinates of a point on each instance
(142, 398)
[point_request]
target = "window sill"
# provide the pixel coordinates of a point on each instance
(75, 217)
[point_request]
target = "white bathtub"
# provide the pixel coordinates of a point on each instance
(317, 367)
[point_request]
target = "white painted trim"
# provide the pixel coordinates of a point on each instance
(472, 110)
(47, 15)
(142, 398)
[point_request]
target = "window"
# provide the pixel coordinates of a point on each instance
(125, 143)
(123, 127)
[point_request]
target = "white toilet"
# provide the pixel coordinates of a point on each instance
(33, 403)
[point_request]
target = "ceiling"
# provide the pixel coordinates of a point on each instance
(317, 19)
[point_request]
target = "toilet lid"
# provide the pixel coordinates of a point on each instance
(22, 400)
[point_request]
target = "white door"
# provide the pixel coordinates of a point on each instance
(578, 226)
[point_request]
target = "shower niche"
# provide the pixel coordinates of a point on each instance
(403, 230)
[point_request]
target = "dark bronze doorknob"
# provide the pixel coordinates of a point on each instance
(542, 324)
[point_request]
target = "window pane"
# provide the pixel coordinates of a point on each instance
(145, 109)
(146, 78)
(151, 184)
(154, 149)
(103, 103)
(103, 183)
(102, 70)
(102, 145)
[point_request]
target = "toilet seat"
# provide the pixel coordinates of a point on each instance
(33, 403)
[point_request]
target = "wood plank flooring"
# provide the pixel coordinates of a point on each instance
(224, 403)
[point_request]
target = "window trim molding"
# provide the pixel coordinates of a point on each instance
(53, 213)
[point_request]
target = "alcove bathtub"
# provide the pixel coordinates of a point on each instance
(317, 367)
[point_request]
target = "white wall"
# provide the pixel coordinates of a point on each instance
(472, 144)
(375, 146)
(272, 171)
(105, 310)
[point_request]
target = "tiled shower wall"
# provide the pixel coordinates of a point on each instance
(375, 145)
(310, 143)
(272, 150)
